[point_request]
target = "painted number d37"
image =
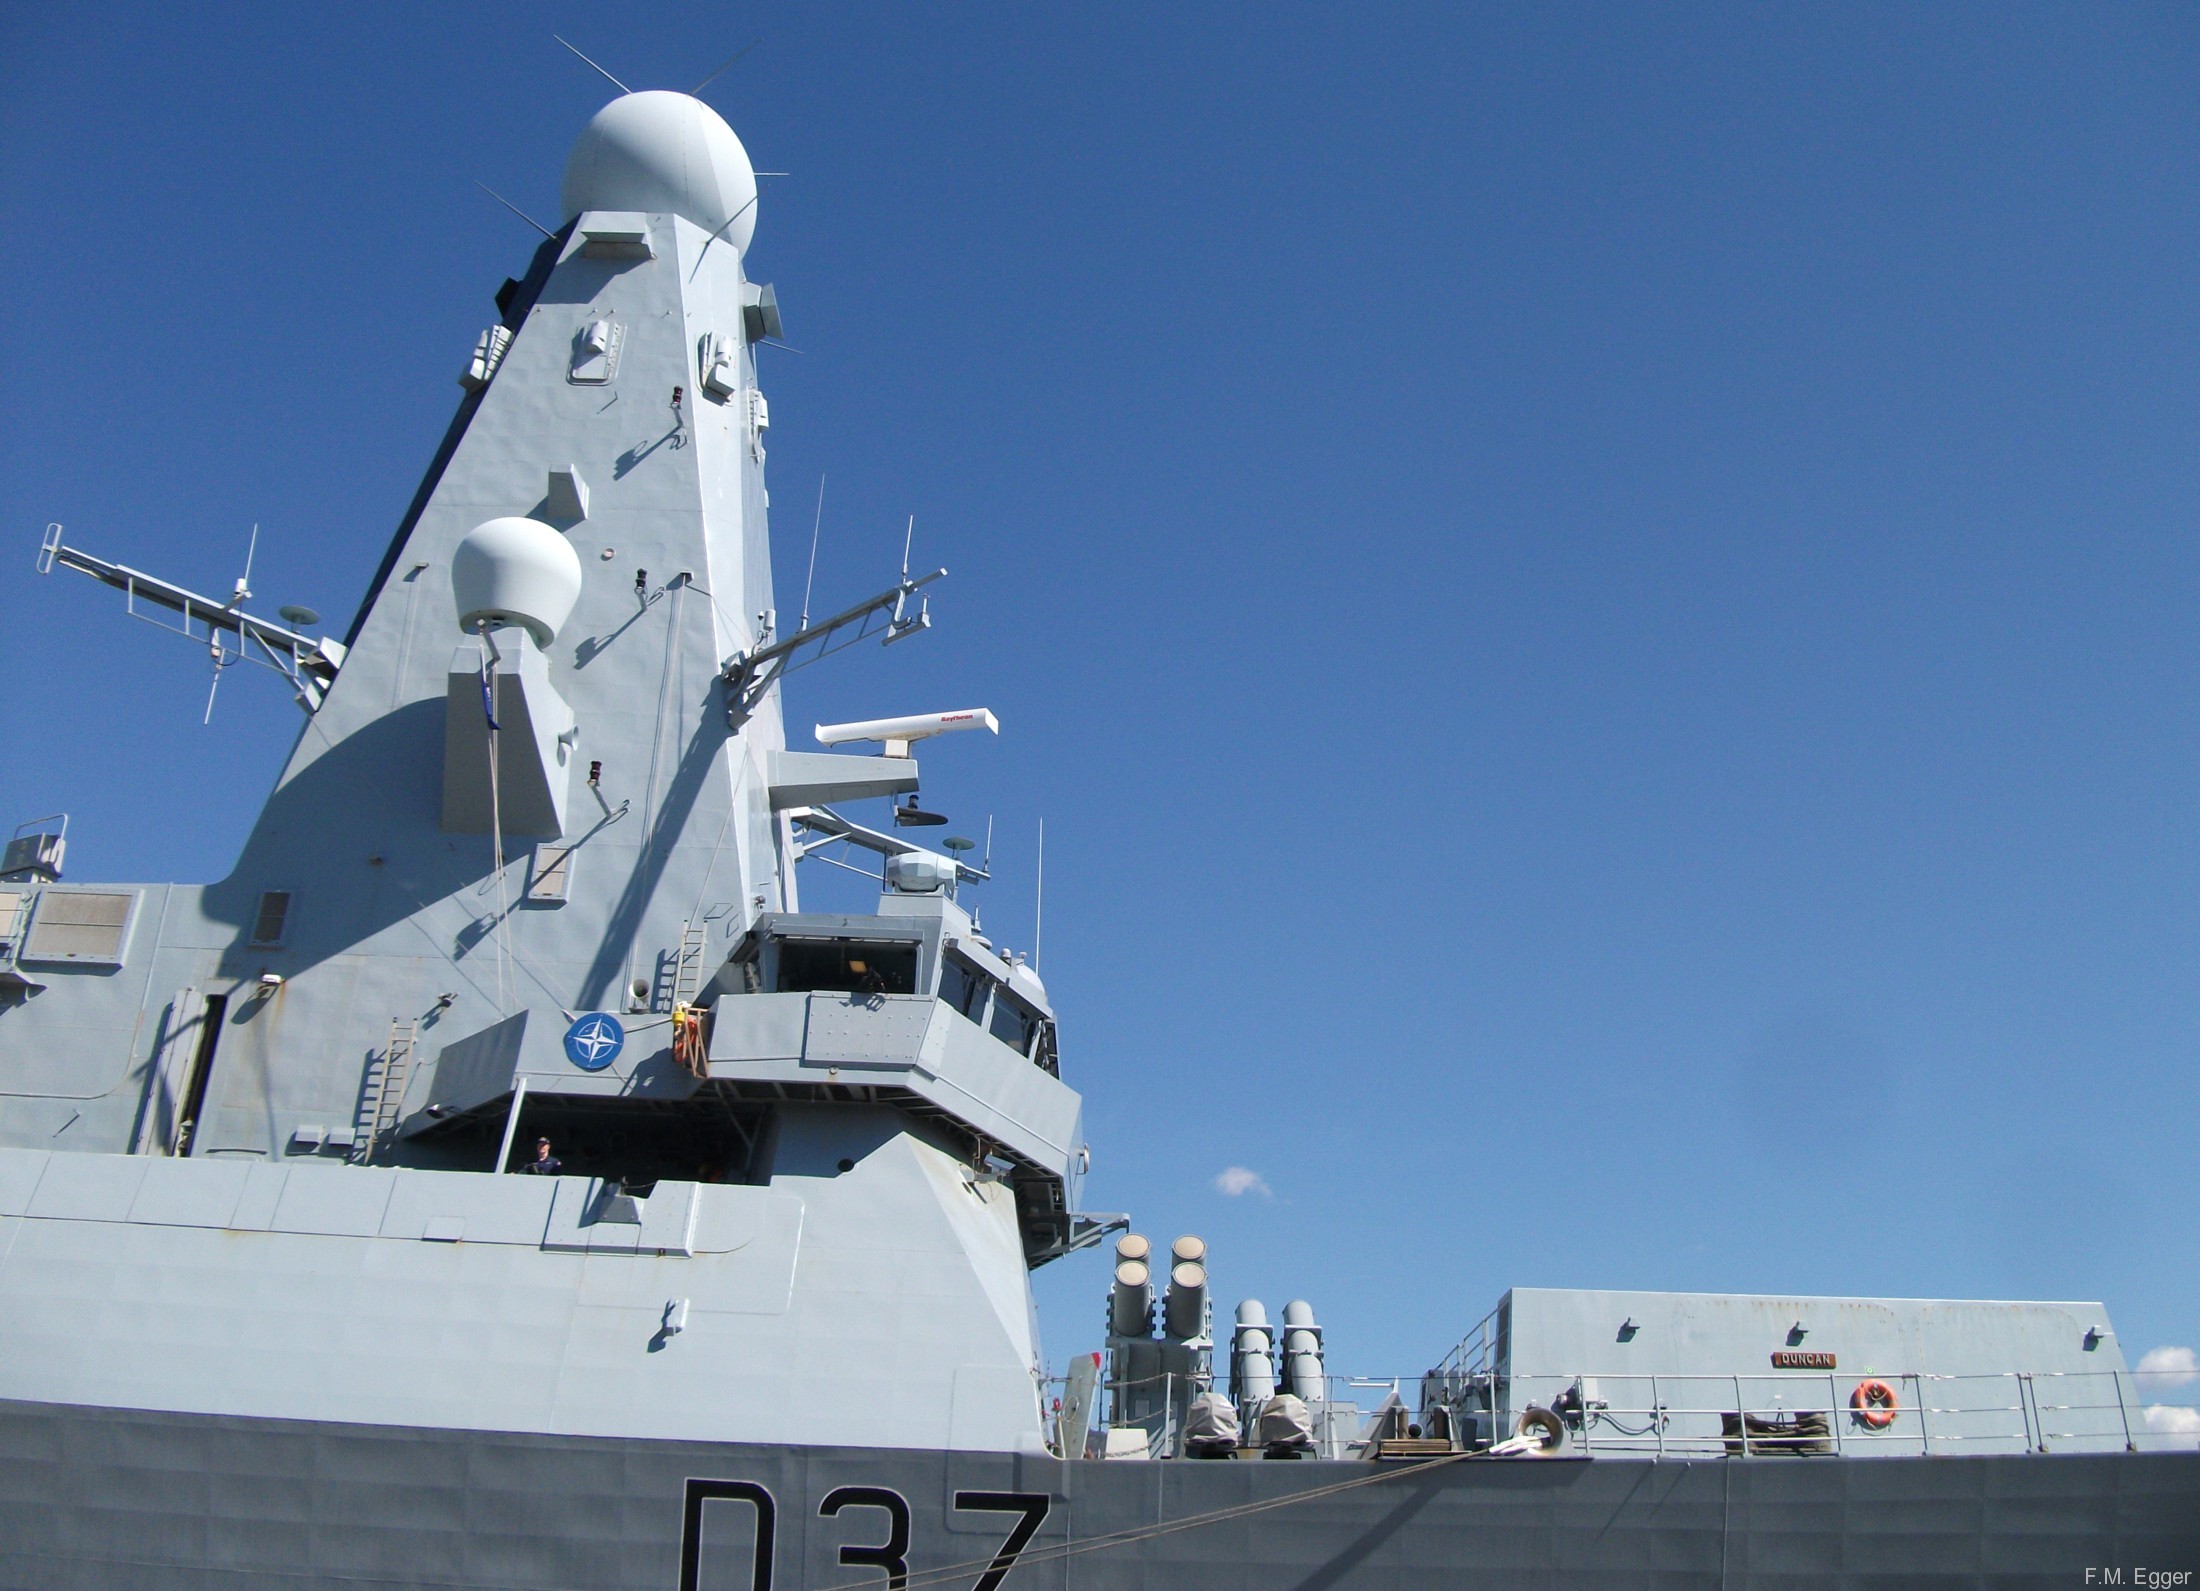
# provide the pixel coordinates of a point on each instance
(890, 1555)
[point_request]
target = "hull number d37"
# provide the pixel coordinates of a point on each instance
(891, 1554)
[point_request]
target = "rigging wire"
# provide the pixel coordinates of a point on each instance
(733, 800)
(816, 525)
(674, 658)
(496, 822)
(1123, 1538)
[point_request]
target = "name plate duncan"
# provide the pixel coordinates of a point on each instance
(1801, 1359)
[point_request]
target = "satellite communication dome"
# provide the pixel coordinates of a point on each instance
(1024, 979)
(657, 151)
(515, 571)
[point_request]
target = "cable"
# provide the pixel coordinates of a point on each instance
(496, 822)
(657, 742)
(1122, 1538)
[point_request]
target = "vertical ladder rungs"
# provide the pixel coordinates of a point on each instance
(687, 971)
(386, 1088)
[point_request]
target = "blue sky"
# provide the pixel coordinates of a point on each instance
(1598, 602)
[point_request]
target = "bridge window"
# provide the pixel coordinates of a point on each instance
(1013, 1024)
(854, 965)
(963, 987)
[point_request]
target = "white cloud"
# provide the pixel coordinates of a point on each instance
(2180, 1427)
(2160, 1369)
(1237, 1181)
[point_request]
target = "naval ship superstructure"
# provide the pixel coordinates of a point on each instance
(500, 1180)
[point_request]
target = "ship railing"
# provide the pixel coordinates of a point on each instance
(1759, 1415)
(1155, 1404)
(1813, 1413)
(1475, 1354)
(1148, 1403)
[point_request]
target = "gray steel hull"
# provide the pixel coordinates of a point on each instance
(123, 1498)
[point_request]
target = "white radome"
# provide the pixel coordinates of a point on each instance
(658, 151)
(515, 571)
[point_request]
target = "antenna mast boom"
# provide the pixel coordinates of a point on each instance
(749, 675)
(310, 665)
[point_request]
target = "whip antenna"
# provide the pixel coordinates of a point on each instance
(244, 581)
(515, 209)
(1039, 906)
(817, 525)
(723, 68)
(216, 653)
(615, 83)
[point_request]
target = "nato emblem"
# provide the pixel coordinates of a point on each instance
(594, 1042)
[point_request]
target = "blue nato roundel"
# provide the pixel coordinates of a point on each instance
(594, 1042)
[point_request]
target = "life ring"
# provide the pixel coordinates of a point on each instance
(1875, 1403)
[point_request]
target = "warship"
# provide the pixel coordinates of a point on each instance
(499, 1179)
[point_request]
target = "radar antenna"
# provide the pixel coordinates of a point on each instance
(817, 827)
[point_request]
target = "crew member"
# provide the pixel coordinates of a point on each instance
(545, 1164)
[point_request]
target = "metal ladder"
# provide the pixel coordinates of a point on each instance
(687, 968)
(386, 1088)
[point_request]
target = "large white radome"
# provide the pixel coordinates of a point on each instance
(657, 151)
(516, 571)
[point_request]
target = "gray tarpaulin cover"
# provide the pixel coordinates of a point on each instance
(1212, 1420)
(1283, 1419)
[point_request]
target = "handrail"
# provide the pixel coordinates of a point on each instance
(1637, 1413)
(1666, 1414)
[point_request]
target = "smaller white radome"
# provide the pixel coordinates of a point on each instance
(658, 151)
(515, 571)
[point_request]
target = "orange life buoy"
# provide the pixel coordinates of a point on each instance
(1875, 1403)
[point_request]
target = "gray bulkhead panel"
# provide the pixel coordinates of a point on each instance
(1953, 1366)
(909, 1041)
(885, 1304)
(1673, 1334)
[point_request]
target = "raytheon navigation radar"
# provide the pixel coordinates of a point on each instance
(900, 734)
